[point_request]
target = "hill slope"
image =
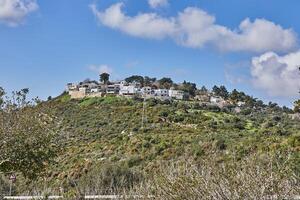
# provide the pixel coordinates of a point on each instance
(106, 134)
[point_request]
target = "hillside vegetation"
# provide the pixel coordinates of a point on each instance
(103, 146)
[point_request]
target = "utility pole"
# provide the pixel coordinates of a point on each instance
(12, 179)
(10, 187)
(143, 114)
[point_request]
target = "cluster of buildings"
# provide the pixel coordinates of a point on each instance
(89, 88)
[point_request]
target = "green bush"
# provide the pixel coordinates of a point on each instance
(109, 178)
(4, 186)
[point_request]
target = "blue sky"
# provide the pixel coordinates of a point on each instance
(46, 44)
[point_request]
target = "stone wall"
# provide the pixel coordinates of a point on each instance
(77, 94)
(83, 94)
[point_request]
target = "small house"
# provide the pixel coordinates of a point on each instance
(177, 94)
(161, 92)
(113, 89)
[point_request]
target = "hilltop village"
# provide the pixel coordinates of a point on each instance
(163, 89)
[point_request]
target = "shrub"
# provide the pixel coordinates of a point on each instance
(197, 150)
(108, 179)
(4, 186)
(133, 161)
(213, 108)
(164, 113)
(152, 102)
(220, 144)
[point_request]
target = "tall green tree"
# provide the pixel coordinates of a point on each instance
(221, 91)
(104, 77)
(235, 96)
(216, 90)
(2, 93)
(165, 83)
(26, 133)
(188, 87)
(135, 78)
(297, 106)
(203, 90)
(149, 81)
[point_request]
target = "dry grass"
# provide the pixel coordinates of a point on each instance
(252, 178)
(248, 179)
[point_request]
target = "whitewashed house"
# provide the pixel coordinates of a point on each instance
(128, 90)
(177, 94)
(88, 84)
(72, 86)
(113, 89)
(147, 91)
(161, 92)
(95, 90)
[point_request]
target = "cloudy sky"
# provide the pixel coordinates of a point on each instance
(251, 45)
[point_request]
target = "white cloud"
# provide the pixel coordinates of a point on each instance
(196, 28)
(261, 36)
(277, 75)
(13, 12)
(101, 69)
(143, 25)
(157, 3)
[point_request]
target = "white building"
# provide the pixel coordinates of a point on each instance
(147, 91)
(72, 86)
(113, 89)
(128, 90)
(177, 94)
(88, 84)
(90, 88)
(95, 90)
(83, 89)
(161, 92)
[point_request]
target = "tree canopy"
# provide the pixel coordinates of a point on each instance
(188, 87)
(149, 81)
(25, 135)
(165, 83)
(220, 91)
(104, 77)
(135, 78)
(203, 90)
(297, 106)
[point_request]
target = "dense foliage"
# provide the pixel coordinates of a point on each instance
(26, 133)
(297, 106)
(104, 77)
